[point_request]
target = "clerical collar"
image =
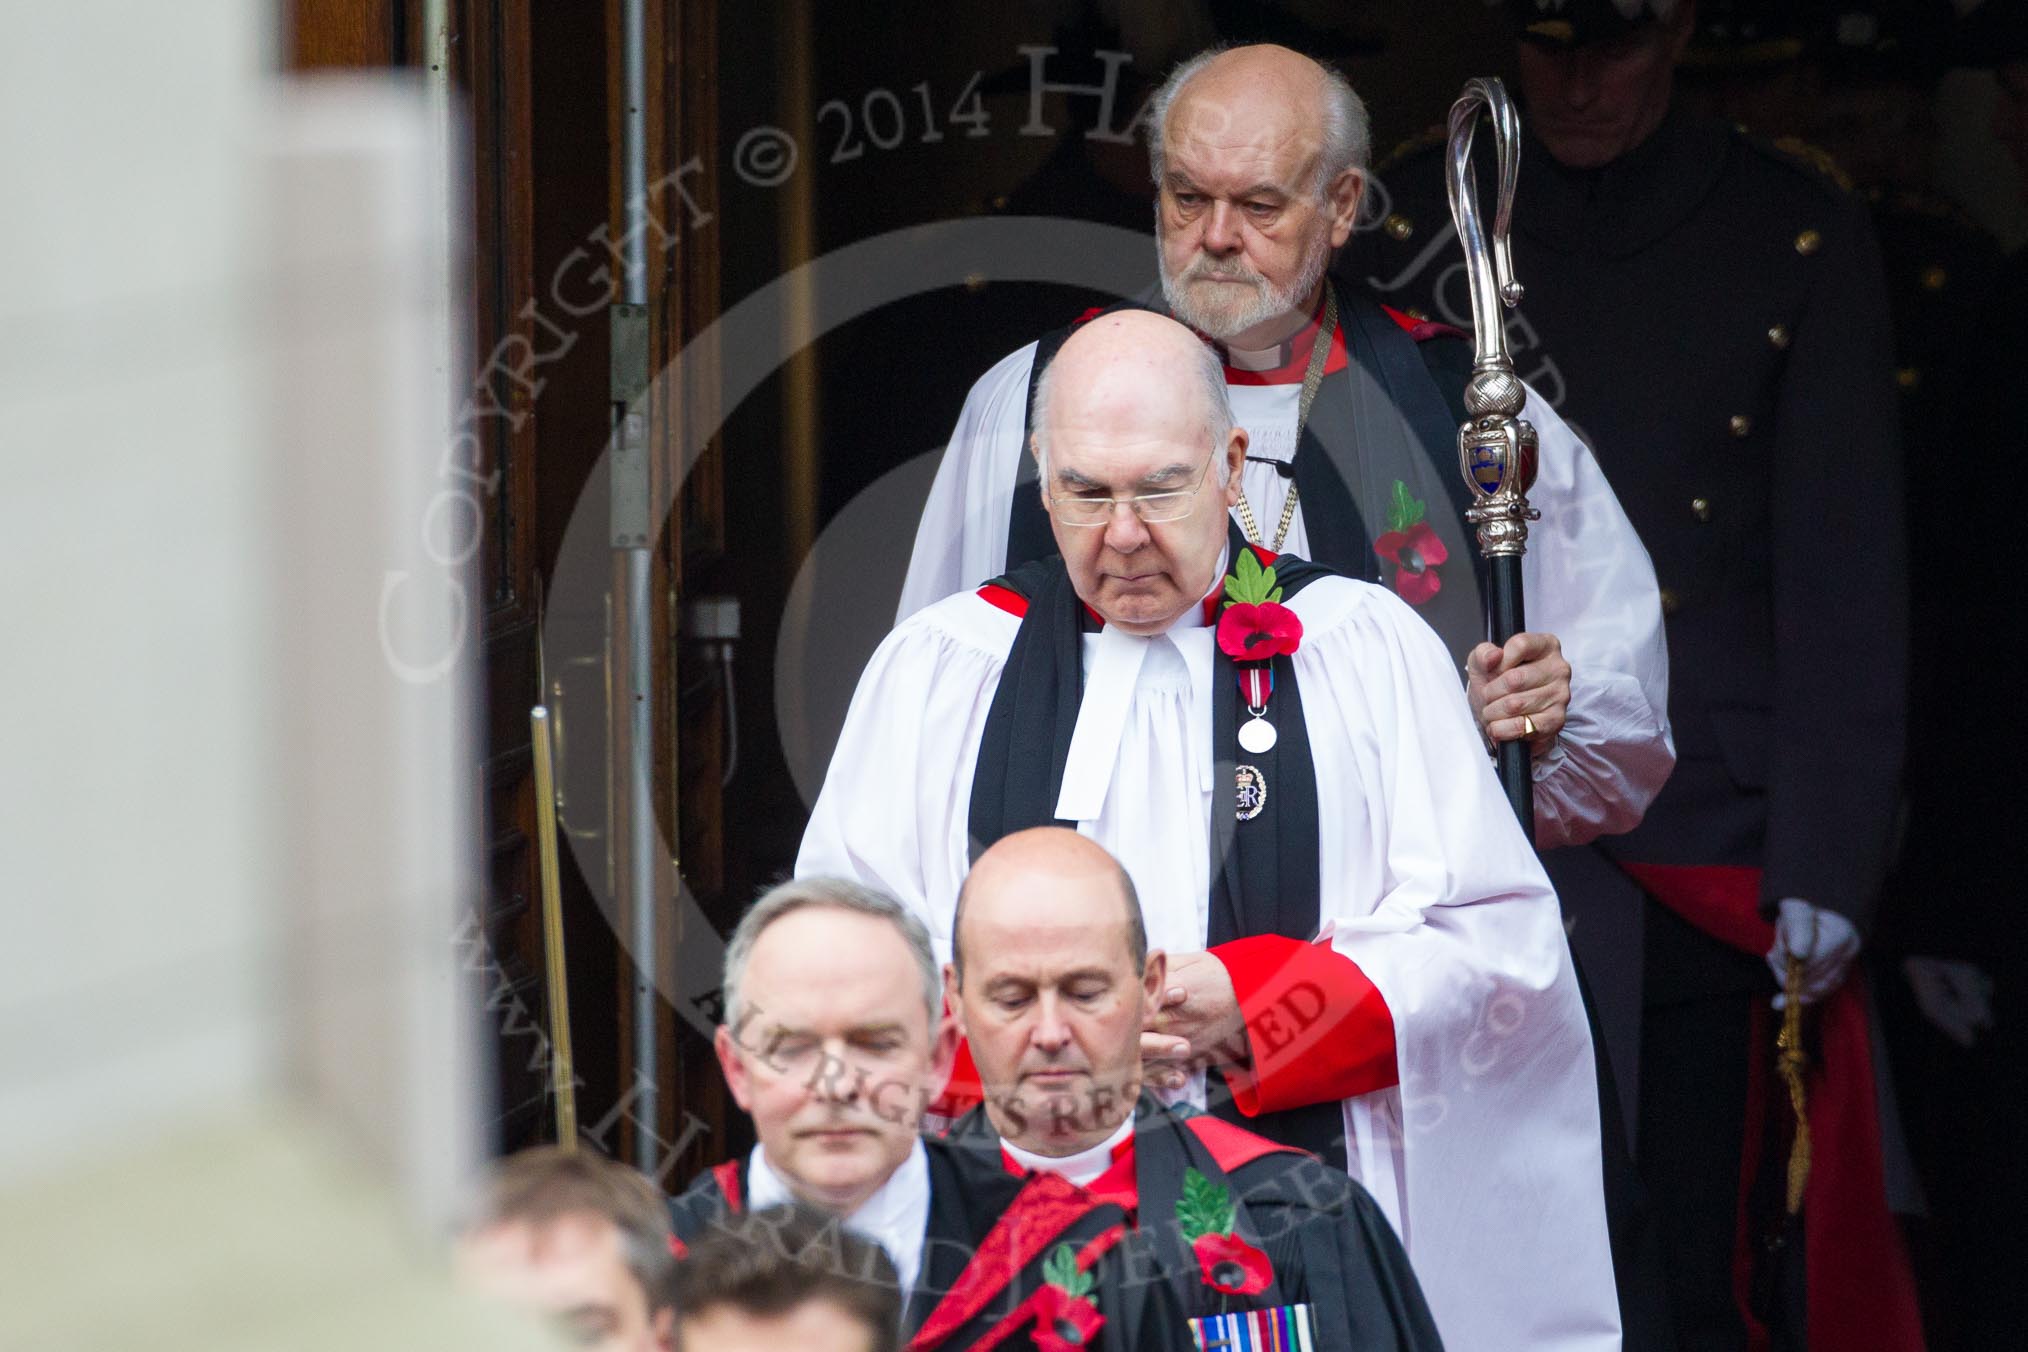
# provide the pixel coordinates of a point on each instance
(1080, 1168)
(1291, 352)
(895, 1217)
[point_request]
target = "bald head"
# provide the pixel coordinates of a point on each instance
(1135, 374)
(1266, 99)
(1137, 457)
(1003, 884)
(1052, 981)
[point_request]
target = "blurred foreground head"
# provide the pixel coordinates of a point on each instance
(787, 1279)
(579, 1238)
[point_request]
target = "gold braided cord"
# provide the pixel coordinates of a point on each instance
(1320, 354)
(1790, 1063)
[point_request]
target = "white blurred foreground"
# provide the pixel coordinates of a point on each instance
(237, 1068)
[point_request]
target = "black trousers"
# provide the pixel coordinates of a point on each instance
(1693, 1122)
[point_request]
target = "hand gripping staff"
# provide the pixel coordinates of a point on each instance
(1496, 446)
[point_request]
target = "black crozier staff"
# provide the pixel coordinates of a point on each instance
(1496, 446)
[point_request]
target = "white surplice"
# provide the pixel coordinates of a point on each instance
(1486, 1155)
(1587, 576)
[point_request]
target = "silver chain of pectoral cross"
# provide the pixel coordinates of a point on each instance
(1320, 353)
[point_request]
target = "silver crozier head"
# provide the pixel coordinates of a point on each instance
(1496, 447)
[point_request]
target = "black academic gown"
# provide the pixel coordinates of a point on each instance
(1326, 1244)
(993, 1240)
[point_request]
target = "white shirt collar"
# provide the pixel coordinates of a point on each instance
(1080, 1168)
(895, 1217)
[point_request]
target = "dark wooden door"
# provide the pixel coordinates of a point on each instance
(541, 92)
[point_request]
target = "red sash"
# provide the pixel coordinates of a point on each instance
(1860, 1285)
(1044, 1210)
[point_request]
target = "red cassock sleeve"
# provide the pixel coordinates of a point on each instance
(1317, 1028)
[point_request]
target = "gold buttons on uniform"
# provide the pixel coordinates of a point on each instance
(1398, 226)
(1808, 242)
(1671, 602)
(1908, 377)
(1779, 336)
(1739, 424)
(1701, 508)
(1933, 278)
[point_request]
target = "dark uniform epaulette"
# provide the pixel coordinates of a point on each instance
(1815, 157)
(1432, 135)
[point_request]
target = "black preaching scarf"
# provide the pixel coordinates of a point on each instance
(1264, 871)
(1391, 416)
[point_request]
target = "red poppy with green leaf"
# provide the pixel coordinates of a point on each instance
(1412, 546)
(1065, 1318)
(1256, 626)
(1210, 1221)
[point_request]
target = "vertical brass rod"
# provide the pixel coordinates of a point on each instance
(562, 1075)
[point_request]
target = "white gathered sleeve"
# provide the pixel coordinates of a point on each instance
(1588, 580)
(962, 539)
(895, 807)
(1486, 1155)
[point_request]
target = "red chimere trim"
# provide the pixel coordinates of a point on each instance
(1119, 1184)
(1233, 1146)
(1317, 1028)
(1015, 604)
(1006, 598)
(1422, 330)
(726, 1175)
(1024, 1313)
(1045, 1208)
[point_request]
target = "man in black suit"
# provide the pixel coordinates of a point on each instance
(1710, 314)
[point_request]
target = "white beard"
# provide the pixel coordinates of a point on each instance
(1263, 302)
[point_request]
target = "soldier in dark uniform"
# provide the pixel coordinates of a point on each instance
(1857, 84)
(1709, 312)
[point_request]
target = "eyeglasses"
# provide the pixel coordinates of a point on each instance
(1152, 508)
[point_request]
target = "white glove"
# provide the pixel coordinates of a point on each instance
(1955, 996)
(1825, 941)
